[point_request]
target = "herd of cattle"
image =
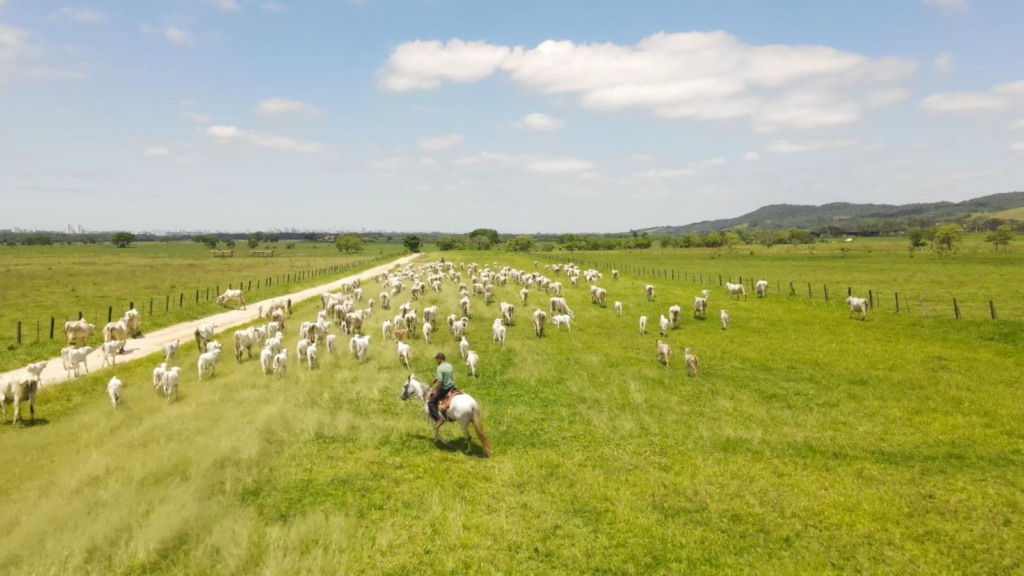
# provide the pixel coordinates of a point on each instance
(347, 310)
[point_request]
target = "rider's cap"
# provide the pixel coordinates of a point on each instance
(440, 356)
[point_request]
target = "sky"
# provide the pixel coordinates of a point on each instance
(551, 116)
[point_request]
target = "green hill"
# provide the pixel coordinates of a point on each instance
(859, 218)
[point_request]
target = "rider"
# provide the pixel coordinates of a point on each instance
(446, 380)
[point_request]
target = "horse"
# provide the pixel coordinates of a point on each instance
(462, 409)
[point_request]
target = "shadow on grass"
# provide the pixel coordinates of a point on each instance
(453, 445)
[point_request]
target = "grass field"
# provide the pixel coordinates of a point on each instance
(810, 443)
(168, 283)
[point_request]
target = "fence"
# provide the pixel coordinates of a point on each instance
(170, 302)
(700, 278)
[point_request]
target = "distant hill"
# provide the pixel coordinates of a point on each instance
(841, 217)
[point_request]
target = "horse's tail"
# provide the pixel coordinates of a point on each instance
(479, 427)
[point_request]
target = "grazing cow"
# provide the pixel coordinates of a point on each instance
(674, 313)
(643, 325)
(207, 361)
(133, 320)
(663, 325)
(736, 290)
(171, 350)
(204, 334)
(114, 388)
(860, 305)
(761, 288)
(540, 317)
(524, 294)
(230, 295)
(78, 331)
(692, 363)
(649, 290)
(116, 331)
(36, 369)
(700, 307)
(562, 319)
(724, 317)
(664, 351)
(618, 308)
(14, 392)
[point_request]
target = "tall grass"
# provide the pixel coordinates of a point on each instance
(161, 279)
(810, 443)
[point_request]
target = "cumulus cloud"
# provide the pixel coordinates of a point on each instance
(702, 75)
(12, 43)
(948, 4)
(1017, 124)
(659, 173)
(227, 5)
(752, 156)
(963, 102)
(1017, 148)
(225, 133)
(943, 64)
(155, 151)
(786, 147)
(439, 143)
(529, 162)
(274, 7)
(178, 35)
(539, 122)
(274, 106)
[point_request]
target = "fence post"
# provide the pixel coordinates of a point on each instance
(809, 295)
(792, 291)
(849, 291)
(991, 309)
(110, 313)
(19, 332)
(37, 330)
(52, 322)
(167, 304)
(897, 302)
(871, 298)
(79, 314)
(956, 309)
(826, 292)
(150, 306)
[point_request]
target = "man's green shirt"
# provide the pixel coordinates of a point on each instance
(446, 376)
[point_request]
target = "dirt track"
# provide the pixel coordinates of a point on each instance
(152, 342)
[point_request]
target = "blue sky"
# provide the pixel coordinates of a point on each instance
(440, 115)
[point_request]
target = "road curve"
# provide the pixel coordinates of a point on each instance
(152, 342)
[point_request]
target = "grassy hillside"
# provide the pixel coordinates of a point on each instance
(809, 443)
(849, 216)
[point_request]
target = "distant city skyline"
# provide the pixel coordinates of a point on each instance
(449, 115)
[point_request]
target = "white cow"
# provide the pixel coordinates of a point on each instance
(109, 351)
(736, 290)
(236, 295)
(643, 325)
(403, 353)
(36, 369)
(724, 317)
(133, 320)
(114, 388)
(472, 360)
(860, 305)
(359, 345)
(16, 390)
(761, 288)
(171, 350)
(78, 331)
(207, 361)
(562, 319)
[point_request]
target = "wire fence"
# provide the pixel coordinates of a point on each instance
(900, 302)
(173, 304)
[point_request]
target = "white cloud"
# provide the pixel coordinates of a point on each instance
(254, 138)
(539, 122)
(1017, 147)
(424, 65)
(227, 5)
(658, 173)
(155, 151)
(880, 98)
(963, 102)
(274, 7)
(12, 43)
(752, 156)
(1017, 124)
(83, 16)
(273, 106)
(1012, 89)
(959, 4)
(556, 165)
(943, 64)
(786, 147)
(710, 162)
(177, 35)
(439, 143)
(703, 75)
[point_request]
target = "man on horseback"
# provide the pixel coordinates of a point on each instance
(444, 383)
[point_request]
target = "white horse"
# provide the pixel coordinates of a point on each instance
(463, 409)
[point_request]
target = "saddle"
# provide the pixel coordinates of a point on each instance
(443, 405)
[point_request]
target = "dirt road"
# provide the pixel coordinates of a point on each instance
(137, 348)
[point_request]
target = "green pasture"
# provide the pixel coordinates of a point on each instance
(168, 283)
(810, 443)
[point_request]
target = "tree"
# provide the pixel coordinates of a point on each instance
(489, 233)
(520, 243)
(1001, 237)
(947, 236)
(122, 239)
(254, 239)
(349, 243)
(412, 243)
(210, 241)
(916, 237)
(230, 243)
